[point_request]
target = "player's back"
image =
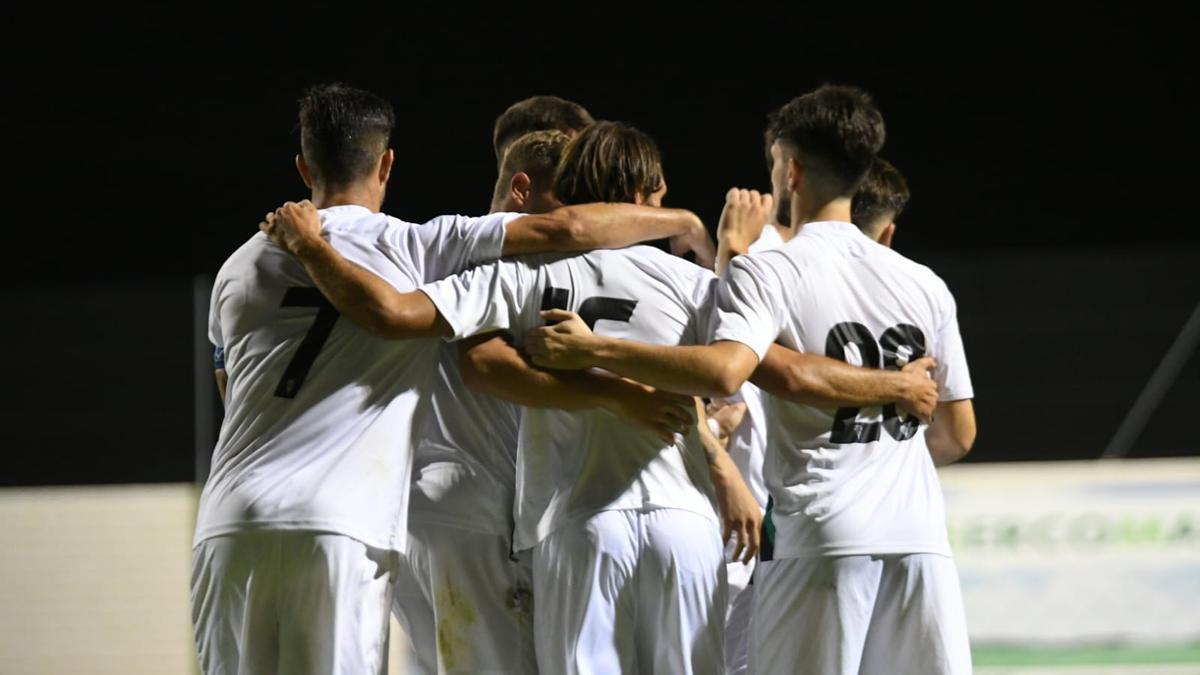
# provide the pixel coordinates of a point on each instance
(852, 481)
(599, 462)
(318, 417)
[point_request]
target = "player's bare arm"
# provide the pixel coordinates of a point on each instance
(492, 365)
(715, 370)
(584, 227)
(745, 214)
(374, 305)
(719, 369)
(740, 513)
(359, 295)
(952, 432)
(815, 380)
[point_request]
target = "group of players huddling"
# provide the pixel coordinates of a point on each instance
(546, 448)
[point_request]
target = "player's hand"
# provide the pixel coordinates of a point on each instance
(922, 396)
(292, 225)
(662, 412)
(697, 241)
(565, 345)
(741, 516)
(746, 213)
(728, 416)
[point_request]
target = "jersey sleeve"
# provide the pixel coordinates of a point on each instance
(749, 305)
(451, 244)
(496, 296)
(952, 375)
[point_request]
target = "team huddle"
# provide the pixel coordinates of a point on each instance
(547, 448)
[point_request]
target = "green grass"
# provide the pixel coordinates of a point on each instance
(1097, 655)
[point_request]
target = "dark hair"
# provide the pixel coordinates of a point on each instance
(882, 195)
(537, 113)
(343, 131)
(608, 162)
(836, 130)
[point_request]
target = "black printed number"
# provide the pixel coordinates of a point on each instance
(302, 360)
(591, 310)
(900, 343)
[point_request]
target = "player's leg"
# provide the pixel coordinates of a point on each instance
(682, 597)
(234, 584)
(737, 619)
(412, 604)
(919, 625)
(334, 604)
(482, 603)
(811, 614)
(584, 604)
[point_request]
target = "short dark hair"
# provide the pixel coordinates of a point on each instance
(837, 131)
(537, 113)
(883, 194)
(608, 162)
(343, 131)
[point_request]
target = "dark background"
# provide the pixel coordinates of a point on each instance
(1050, 158)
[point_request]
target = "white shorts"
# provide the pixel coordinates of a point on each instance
(893, 615)
(631, 592)
(737, 619)
(290, 602)
(464, 603)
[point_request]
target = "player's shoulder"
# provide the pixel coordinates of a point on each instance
(247, 257)
(451, 221)
(922, 275)
(658, 261)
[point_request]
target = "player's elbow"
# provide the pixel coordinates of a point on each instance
(476, 369)
(951, 447)
(726, 380)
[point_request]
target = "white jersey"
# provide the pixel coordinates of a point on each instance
(572, 465)
(850, 481)
(319, 414)
(748, 442)
(464, 461)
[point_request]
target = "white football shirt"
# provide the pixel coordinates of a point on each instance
(571, 465)
(847, 481)
(464, 461)
(748, 442)
(319, 414)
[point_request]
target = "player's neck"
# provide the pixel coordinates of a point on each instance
(821, 210)
(365, 196)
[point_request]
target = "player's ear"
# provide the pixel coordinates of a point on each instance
(518, 190)
(385, 165)
(886, 234)
(795, 174)
(305, 175)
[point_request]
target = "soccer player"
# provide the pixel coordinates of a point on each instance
(879, 202)
(461, 595)
(301, 520)
(624, 482)
(863, 579)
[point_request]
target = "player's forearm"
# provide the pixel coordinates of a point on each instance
(368, 300)
(496, 368)
(820, 381)
(951, 434)
(584, 227)
(692, 370)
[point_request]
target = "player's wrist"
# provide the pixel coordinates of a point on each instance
(307, 246)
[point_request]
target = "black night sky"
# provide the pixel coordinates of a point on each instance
(1051, 161)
